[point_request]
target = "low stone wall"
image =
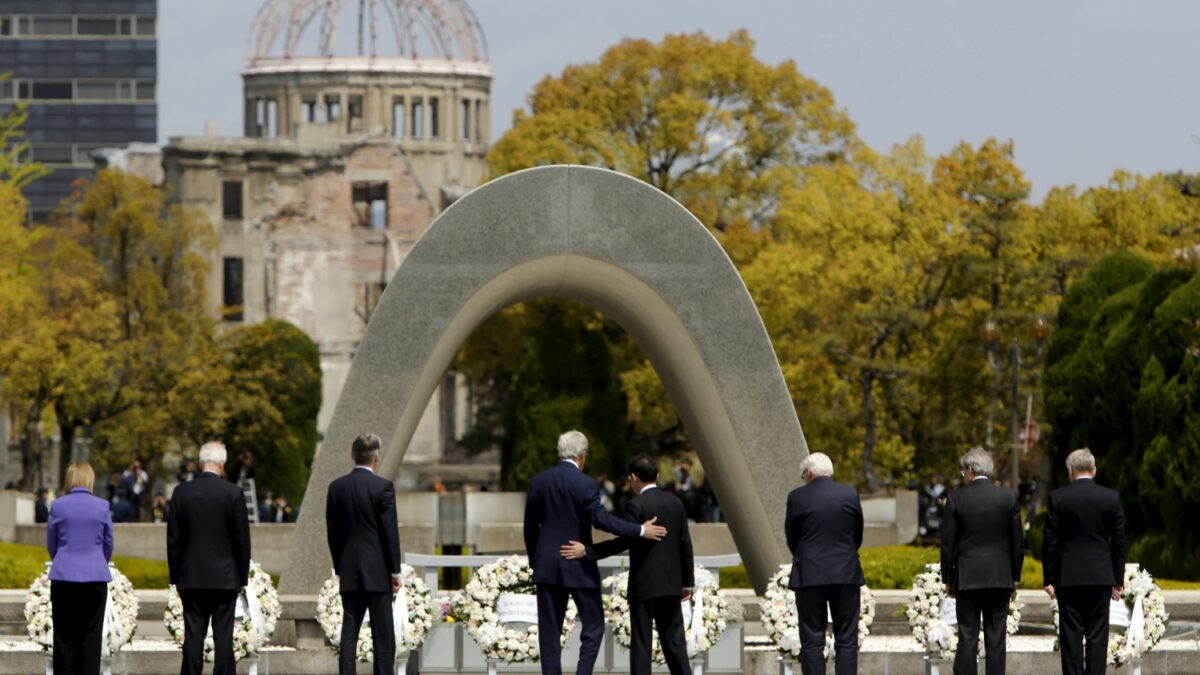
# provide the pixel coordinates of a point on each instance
(15, 508)
(270, 543)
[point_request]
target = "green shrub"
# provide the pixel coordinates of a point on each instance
(20, 565)
(895, 566)
(735, 577)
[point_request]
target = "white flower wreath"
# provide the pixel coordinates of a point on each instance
(924, 611)
(476, 607)
(781, 622)
(1121, 650)
(417, 607)
(707, 595)
(246, 640)
(120, 621)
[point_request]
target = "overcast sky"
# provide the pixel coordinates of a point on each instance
(1082, 86)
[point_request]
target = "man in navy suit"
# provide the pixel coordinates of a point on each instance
(824, 529)
(364, 542)
(562, 506)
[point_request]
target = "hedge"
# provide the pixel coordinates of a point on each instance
(20, 565)
(893, 567)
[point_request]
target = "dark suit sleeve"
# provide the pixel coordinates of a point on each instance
(241, 528)
(533, 526)
(618, 544)
(858, 523)
(1116, 541)
(175, 541)
(686, 560)
(1016, 541)
(333, 534)
(1050, 553)
(788, 528)
(949, 535)
(390, 528)
(606, 521)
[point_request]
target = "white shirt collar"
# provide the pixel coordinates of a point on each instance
(1086, 478)
(979, 478)
(648, 487)
(572, 463)
(365, 468)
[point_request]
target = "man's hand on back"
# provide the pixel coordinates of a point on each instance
(653, 532)
(572, 551)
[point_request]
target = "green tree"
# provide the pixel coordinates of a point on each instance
(276, 373)
(701, 119)
(1124, 380)
(154, 262)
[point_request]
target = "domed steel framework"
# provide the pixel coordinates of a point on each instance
(423, 29)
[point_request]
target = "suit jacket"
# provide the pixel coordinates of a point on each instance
(208, 535)
(563, 504)
(824, 528)
(363, 535)
(656, 568)
(1084, 543)
(982, 540)
(79, 537)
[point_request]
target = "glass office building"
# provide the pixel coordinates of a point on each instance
(88, 71)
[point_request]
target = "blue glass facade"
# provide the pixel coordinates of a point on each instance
(88, 72)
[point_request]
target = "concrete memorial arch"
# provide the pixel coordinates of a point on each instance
(616, 244)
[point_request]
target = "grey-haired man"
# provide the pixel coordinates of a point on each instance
(982, 550)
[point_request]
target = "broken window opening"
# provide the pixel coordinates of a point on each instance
(371, 205)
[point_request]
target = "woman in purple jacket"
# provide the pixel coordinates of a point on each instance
(79, 537)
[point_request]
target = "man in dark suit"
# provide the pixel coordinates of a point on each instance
(661, 573)
(562, 506)
(364, 541)
(1083, 559)
(824, 528)
(208, 555)
(982, 550)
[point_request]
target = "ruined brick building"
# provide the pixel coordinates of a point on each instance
(344, 161)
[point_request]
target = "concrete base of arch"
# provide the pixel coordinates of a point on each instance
(616, 244)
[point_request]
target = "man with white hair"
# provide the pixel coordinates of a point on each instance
(824, 528)
(562, 506)
(982, 549)
(208, 556)
(1083, 558)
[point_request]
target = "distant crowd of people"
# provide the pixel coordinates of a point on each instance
(134, 497)
(699, 500)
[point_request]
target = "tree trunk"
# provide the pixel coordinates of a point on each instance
(31, 451)
(66, 448)
(868, 451)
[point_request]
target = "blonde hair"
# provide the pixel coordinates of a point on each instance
(79, 474)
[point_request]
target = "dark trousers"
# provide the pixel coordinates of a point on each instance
(200, 607)
(383, 631)
(843, 604)
(78, 613)
(1083, 615)
(667, 616)
(552, 611)
(992, 605)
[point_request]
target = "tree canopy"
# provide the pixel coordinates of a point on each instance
(1124, 380)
